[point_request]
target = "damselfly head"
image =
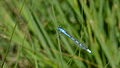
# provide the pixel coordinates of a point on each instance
(59, 27)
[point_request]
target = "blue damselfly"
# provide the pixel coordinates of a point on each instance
(76, 41)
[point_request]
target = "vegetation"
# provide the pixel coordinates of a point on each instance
(29, 37)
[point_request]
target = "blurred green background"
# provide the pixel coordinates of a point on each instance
(29, 37)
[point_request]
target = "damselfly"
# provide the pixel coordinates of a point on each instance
(76, 41)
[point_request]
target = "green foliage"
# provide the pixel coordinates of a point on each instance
(29, 37)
